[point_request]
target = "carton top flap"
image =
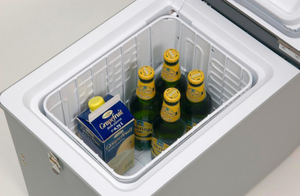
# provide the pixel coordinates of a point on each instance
(111, 119)
(93, 115)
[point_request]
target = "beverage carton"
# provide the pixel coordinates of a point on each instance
(108, 131)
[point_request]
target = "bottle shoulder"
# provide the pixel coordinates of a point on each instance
(162, 85)
(132, 100)
(183, 77)
(159, 122)
(168, 132)
(205, 106)
(159, 79)
(137, 104)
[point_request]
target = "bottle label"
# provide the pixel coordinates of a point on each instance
(145, 91)
(171, 73)
(157, 146)
(189, 125)
(142, 130)
(170, 113)
(195, 94)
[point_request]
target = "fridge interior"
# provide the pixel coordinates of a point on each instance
(116, 73)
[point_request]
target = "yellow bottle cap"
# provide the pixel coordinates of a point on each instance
(196, 76)
(95, 103)
(172, 95)
(171, 55)
(146, 73)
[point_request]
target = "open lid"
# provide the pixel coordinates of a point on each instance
(283, 15)
(275, 23)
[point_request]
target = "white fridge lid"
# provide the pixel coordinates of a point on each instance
(283, 15)
(282, 18)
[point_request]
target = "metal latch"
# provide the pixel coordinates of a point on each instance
(55, 163)
(289, 51)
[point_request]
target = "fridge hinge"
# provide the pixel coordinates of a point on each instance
(176, 5)
(173, 13)
(289, 50)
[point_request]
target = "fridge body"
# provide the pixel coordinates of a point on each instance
(254, 125)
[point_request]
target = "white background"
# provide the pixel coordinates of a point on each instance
(33, 31)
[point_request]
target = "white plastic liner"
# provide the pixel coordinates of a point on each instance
(116, 73)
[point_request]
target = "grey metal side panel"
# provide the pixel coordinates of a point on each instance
(39, 177)
(248, 152)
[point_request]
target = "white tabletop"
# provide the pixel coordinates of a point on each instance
(33, 31)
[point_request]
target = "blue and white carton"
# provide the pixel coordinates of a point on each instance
(109, 132)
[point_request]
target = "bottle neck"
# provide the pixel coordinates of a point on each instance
(146, 89)
(195, 93)
(170, 112)
(171, 72)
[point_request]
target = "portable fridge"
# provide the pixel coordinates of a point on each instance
(253, 127)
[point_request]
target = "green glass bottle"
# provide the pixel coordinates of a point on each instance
(144, 105)
(169, 126)
(197, 103)
(170, 75)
